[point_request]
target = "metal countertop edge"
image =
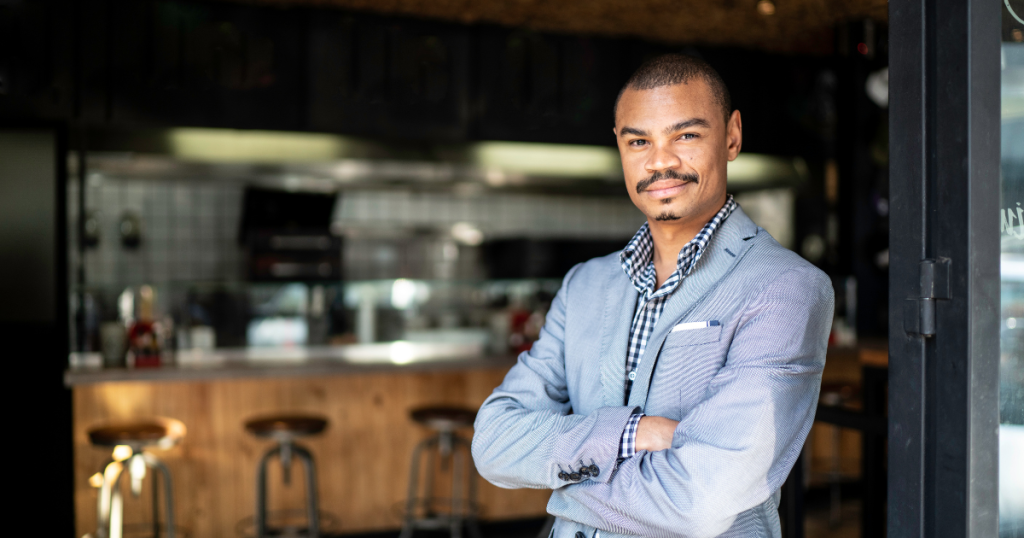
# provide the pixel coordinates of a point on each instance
(240, 370)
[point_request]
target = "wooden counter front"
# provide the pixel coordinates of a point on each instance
(362, 459)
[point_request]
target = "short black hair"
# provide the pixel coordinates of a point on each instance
(672, 69)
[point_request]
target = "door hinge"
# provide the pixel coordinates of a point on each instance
(919, 312)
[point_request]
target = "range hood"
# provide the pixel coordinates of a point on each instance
(326, 163)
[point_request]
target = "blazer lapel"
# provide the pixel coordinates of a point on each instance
(726, 248)
(620, 300)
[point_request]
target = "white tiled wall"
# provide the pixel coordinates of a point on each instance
(190, 227)
(498, 215)
(189, 231)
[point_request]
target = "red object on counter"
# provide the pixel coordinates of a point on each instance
(518, 340)
(143, 340)
(143, 344)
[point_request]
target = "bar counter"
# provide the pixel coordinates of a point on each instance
(238, 363)
(362, 458)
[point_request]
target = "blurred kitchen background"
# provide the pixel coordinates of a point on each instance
(274, 190)
(298, 245)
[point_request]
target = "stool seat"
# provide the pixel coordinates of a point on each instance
(138, 433)
(294, 425)
(444, 418)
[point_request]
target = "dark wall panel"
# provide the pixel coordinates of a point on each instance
(34, 318)
(542, 87)
(198, 64)
(161, 63)
(383, 77)
(36, 60)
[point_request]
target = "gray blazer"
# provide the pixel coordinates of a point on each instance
(744, 392)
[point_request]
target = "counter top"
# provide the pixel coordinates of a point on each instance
(236, 363)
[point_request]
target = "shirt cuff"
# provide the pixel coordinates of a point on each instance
(627, 446)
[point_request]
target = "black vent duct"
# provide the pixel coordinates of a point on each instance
(288, 235)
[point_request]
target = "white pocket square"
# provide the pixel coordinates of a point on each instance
(691, 325)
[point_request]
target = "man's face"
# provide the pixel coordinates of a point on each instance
(675, 143)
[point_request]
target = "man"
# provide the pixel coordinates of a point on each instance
(674, 383)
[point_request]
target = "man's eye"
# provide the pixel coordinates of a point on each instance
(637, 143)
(689, 136)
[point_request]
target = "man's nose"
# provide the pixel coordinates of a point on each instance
(662, 159)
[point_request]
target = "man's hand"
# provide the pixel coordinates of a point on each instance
(655, 433)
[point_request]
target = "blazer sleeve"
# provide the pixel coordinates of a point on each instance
(524, 434)
(736, 447)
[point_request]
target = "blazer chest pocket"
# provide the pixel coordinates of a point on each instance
(693, 337)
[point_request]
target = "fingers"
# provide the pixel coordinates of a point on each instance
(655, 433)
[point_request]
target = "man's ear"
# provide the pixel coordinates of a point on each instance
(734, 134)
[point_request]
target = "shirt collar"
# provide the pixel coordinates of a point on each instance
(638, 256)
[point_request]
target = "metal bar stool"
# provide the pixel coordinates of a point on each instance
(285, 429)
(130, 440)
(836, 395)
(427, 512)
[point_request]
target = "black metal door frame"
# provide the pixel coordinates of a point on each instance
(944, 268)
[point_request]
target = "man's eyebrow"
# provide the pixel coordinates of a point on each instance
(692, 122)
(632, 131)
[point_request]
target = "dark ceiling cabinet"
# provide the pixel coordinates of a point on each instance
(158, 63)
(36, 61)
(148, 63)
(539, 87)
(380, 77)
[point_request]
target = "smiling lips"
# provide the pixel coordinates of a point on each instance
(666, 188)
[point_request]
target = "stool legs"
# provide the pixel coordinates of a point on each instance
(471, 520)
(313, 502)
(456, 521)
(285, 451)
(261, 493)
(414, 476)
(153, 463)
(110, 506)
(463, 508)
(109, 494)
(155, 491)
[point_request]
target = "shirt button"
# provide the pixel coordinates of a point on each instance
(632, 376)
(580, 535)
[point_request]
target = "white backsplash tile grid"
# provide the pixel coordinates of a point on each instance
(189, 232)
(496, 215)
(190, 229)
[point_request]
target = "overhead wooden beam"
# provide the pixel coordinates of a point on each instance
(794, 26)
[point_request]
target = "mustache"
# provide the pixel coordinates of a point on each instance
(643, 184)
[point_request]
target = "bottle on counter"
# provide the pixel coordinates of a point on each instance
(112, 344)
(143, 333)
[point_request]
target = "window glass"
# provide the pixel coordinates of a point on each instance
(1011, 214)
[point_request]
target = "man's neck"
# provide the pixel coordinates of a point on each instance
(670, 237)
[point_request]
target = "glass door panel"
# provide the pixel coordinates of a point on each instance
(1011, 342)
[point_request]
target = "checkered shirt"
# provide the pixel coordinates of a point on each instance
(638, 262)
